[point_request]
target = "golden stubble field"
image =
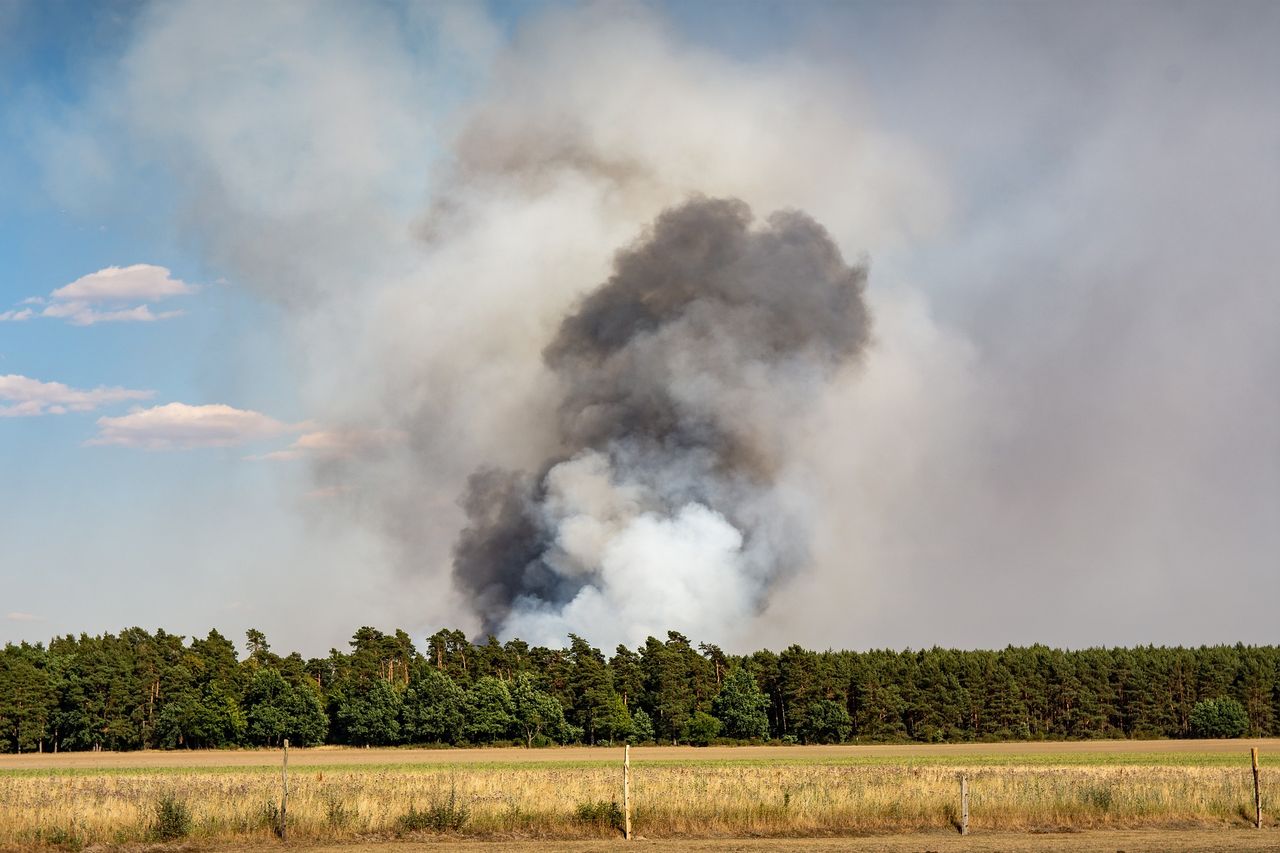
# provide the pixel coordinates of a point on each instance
(1043, 796)
(330, 756)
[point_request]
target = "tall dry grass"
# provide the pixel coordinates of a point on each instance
(75, 810)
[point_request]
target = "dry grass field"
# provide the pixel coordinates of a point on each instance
(1045, 794)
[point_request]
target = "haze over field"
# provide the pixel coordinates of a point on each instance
(857, 325)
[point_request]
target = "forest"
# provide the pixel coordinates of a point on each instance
(136, 690)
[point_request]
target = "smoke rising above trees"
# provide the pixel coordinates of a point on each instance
(1072, 303)
(676, 381)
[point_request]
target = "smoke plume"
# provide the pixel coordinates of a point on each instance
(658, 503)
(1068, 400)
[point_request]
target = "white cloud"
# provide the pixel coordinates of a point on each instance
(115, 289)
(124, 284)
(339, 442)
(19, 616)
(82, 314)
(176, 426)
(21, 396)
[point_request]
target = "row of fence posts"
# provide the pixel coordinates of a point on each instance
(626, 794)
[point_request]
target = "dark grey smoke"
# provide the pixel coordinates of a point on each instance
(702, 315)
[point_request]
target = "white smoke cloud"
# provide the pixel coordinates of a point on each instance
(645, 570)
(563, 161)
(656, 573)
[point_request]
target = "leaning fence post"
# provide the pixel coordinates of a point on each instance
(626, 792)
(964, 804)
(1257, 790)
(284, 793)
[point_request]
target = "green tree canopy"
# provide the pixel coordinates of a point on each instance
(1219, 718)
(275, 710)
(489, 711)
(434, 706)
(700, 729)
(368, 714)
(533, 711)
(641, 727)
(140, 689)
(742, 706)
(826, 721)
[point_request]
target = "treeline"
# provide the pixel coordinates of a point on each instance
(137, 690)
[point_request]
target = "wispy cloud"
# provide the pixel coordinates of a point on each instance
(177, 426)
(22, 396)
(110, 295)
(83, 314)
(326, 492)
(19, 616)
(337, 442)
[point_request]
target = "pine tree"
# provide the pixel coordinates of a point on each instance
(742, 707)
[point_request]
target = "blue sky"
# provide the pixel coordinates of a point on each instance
(1069, 213)
(82, 522)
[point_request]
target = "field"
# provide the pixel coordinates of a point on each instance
(1024, 796)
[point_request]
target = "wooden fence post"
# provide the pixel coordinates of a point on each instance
(284, 793)
(626, 792)
(964, 804)
(1257, 790)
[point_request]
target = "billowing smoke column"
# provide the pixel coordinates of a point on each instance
(679, 376)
